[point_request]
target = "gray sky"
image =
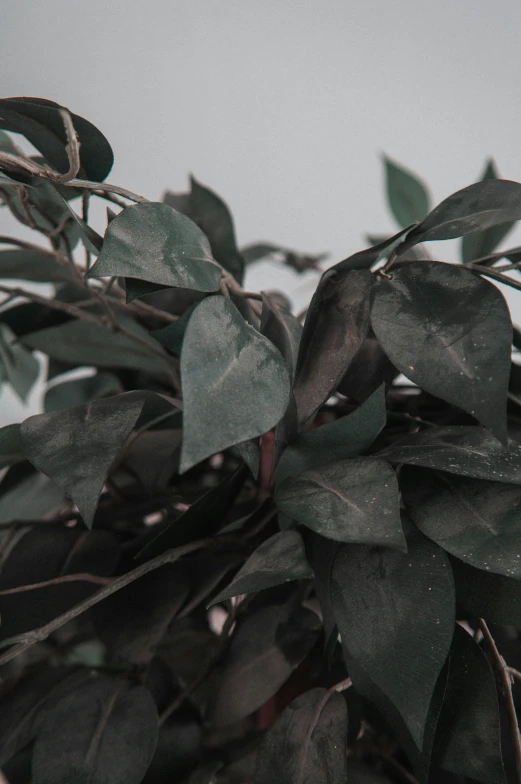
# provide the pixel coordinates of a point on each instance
(282, 107)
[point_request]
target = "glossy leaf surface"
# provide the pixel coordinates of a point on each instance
(449, 332)
(235, 382)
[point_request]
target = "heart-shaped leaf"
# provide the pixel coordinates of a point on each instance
(482, 243)
(475, 520)
(374, 593)
(154, 243)
(307, 743)
(103, 731)
(408, 197)
(235, 382)
(450, 332)
(76, 447)
(467, 451)
(280, 559)
(336, 325)
(348, 436)
(348, 500)
(474, 208)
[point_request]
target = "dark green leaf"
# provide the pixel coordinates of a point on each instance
(10, 446)
(468, 451)
(204, 517)
(366, 258)
(494, 597)
(348, 500)
(474, 208)
(265, 649)
(346, 437)
(450, 332)
(80, 390)
(282, 328)
(77, 446)
(407, 195)
(32, 499)
(83, 342)
(468, 737)
(132, 622)
(235, 382)
(370, 368)
(152, 242)
(280, 559)
(213, 217)
(482, 243)
(19, 366)
(101, 732)
(172, 336)
(26, 264)
(307, 743)
(40, 122)
(392, 610)
(336, 325)
(259, 250)
(249, 451)
(475, 520)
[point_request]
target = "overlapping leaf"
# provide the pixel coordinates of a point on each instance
(18, 366)
(235, 382)
(375, 592)
(450, 332)
(407, 196)
(347, 500)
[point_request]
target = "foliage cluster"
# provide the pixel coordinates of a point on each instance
(239, 545)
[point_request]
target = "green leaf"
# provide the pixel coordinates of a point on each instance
(214, 218)
(307, 743)
(19, 366)
(265, 649)
(282, 328)
(370, 368)
(450, 332)
(408, 197)
(467, 451)
(152, 242)
(81, 390)
(10, 445)
(82, 342)
(76, 447)
(203, 518)
(27, 264)
(348, 501)
(172, 336)
(468, 738)
(39, 121)
(259, 250)
(494, 597)
(336, 325)
(280, 559)
(474, 208)
(31, 499)
(235, 382)
(346, 437)
(475, 520)
(482, 243)
(102, 731)
(366, 258)
(395, 615)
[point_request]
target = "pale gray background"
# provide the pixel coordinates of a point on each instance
(282, 107)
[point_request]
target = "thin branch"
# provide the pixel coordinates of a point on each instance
(514, 673)
(54, 304)
(21, 642)
(506, 680)
(72, 147)
(110, 197)
(85, 217)
(84, 577)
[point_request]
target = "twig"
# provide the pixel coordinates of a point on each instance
(514, 673)
(506, 679)
(110, 197)
(72, 147)
(21, 642)
(85, 217)
(66, 578)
